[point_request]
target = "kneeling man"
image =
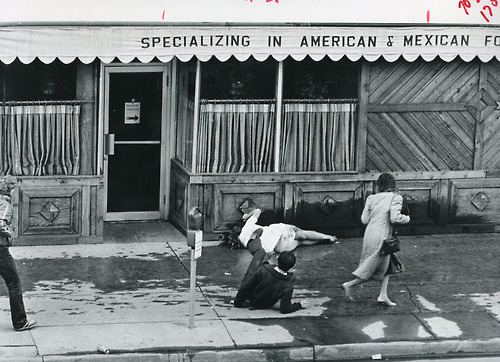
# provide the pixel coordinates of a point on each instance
(269, 285)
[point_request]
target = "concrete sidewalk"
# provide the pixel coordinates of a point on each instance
(133, 298)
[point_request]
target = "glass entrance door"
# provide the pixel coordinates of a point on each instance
(134, 142)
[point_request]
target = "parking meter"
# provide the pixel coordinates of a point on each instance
(194, 224)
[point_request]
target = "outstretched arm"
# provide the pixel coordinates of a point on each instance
(286, 305)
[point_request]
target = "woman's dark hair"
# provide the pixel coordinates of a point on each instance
(286, 261)
(386, 183)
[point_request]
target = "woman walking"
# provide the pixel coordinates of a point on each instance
(381, 210)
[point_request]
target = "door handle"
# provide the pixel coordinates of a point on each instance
(109, 144)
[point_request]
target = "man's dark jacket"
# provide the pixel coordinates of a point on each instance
(266, 287)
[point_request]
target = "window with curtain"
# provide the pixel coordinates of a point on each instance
(318, 121)
(236, 136)
(237, 129)
(39, 139)
(237, 116)
(317, 136)
(39, 119)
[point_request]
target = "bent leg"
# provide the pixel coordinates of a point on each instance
(259, 254)
(9, 273)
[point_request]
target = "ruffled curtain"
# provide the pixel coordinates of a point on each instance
(317, 137)
(235, 137)
(39, 139)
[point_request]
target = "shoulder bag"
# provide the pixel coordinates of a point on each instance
(391, 245)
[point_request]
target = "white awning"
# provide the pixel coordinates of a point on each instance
(260, 41)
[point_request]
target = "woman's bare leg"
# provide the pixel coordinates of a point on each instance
(383, 297)
(310, 237)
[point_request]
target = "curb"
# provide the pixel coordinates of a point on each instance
(338, 352)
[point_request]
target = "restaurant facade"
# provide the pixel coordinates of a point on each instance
(104, 123)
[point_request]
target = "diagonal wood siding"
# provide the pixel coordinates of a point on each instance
(490, 116)
(423, 116)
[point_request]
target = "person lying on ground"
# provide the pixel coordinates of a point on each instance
(269, 285)
(263, 241)
(279, 237)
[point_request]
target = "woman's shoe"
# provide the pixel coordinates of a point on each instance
(386, 301)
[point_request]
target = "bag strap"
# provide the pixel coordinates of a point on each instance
(394, 230)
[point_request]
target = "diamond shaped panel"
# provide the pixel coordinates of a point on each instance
(480, 201)
(50, 211)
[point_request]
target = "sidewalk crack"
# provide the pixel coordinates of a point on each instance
(413, 301)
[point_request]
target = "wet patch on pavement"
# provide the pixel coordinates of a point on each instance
(460, 325)
(490, 301)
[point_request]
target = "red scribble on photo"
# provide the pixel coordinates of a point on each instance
(428, 16)
(465, 4)
(486, 11)
(163, 15)
(489, 10)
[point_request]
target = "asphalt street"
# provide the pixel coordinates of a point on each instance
(131, 295)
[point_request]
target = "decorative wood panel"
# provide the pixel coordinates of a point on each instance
(229, 198)
(422, 116)
(423, 199)
(474, 201)
(58, 210)
(322, 206)
(50, 211)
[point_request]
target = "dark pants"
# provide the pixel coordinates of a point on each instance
(9, 273)
(254, 246)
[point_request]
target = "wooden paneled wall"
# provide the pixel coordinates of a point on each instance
(440, 202)
(432, 116)
(58, 210)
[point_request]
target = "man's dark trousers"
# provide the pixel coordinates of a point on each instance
(9, 273)
(255, 248)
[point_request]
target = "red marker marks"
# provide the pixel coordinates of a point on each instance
(428, 16)
(486, 12)
(163, 15)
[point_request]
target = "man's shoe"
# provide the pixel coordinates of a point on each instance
(27, 326)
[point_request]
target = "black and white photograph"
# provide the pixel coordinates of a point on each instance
(249, 180)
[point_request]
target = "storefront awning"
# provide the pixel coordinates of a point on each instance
(165, 42)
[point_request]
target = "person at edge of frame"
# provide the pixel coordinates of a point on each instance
(8, 269)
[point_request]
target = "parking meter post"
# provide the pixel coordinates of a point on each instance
(194, 240)
(192, 288)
